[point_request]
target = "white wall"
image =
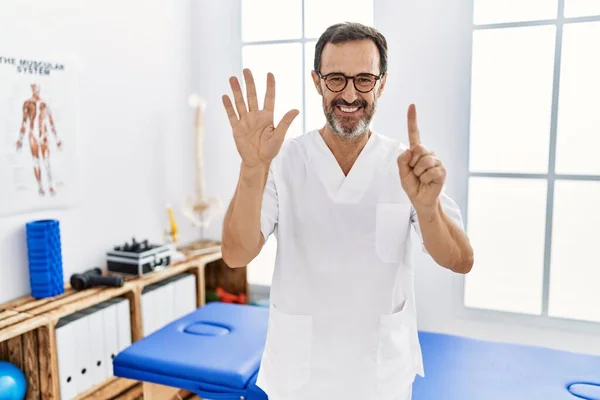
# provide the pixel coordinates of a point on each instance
(135, 124)
(430, 54)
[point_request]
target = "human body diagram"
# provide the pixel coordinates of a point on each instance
(36, 124)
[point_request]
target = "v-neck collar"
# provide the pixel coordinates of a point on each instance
(345, 188)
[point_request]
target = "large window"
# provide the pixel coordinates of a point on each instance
(280, 37)
(534, 169)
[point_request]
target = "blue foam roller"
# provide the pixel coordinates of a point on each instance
(45, 258)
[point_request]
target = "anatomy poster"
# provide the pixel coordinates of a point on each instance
(38, 134)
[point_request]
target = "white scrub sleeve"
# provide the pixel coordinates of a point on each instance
(450, 208)
(270, 207)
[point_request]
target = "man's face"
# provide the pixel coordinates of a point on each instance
(35, 89)
(349, 112)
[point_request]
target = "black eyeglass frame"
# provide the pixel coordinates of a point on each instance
(347, 78)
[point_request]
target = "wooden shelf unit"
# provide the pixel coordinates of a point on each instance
(27, 325)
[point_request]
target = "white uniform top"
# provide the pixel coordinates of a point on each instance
(342, 320)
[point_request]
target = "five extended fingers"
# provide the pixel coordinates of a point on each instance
(240, 110)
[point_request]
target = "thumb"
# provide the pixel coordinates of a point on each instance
(285, 122)
(403, 163)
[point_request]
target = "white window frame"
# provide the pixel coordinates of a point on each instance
(543, 320)
(304, 41)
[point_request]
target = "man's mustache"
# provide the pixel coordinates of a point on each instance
(344, 103)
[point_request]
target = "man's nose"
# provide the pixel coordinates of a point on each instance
(349, 94)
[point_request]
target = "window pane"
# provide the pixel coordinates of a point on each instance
(581, 8)
(319, 15)
(260, 270)
(578, 138)
(574, 273)
(511, 99)
(260, 20)
(506, 225)
(499, 11)
(285, 62)
(315, 118)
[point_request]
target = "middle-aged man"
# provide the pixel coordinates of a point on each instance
(341, 201)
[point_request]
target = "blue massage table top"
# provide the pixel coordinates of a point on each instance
(216, 351)
(458, 368)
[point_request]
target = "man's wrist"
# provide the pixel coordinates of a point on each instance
(429, 213)
(254, 175)
(255, 168)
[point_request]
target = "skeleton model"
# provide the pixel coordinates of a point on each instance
(199, 209)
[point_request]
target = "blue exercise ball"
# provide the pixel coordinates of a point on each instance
(13, 385)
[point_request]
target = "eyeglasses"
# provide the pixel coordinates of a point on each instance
(336, 82)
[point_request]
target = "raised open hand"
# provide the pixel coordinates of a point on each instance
(421, 172)
(256, 137)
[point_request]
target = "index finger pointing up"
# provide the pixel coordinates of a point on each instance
(413, 130)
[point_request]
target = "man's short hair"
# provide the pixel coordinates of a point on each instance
(351, 31)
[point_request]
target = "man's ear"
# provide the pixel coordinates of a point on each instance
(382, 85)
(317, 82)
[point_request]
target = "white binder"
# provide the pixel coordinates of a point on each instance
(96, 341)
(111, 334)
(123, 323)
(158, 315)
(149, 321)
(167, 303)
(185, 295)
(83, 358)
(65, 350)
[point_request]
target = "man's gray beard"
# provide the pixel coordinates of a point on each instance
(360, 129)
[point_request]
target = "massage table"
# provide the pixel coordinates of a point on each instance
(215, 352)
(458, 368)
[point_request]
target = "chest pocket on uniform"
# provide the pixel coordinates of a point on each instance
(392, 228)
